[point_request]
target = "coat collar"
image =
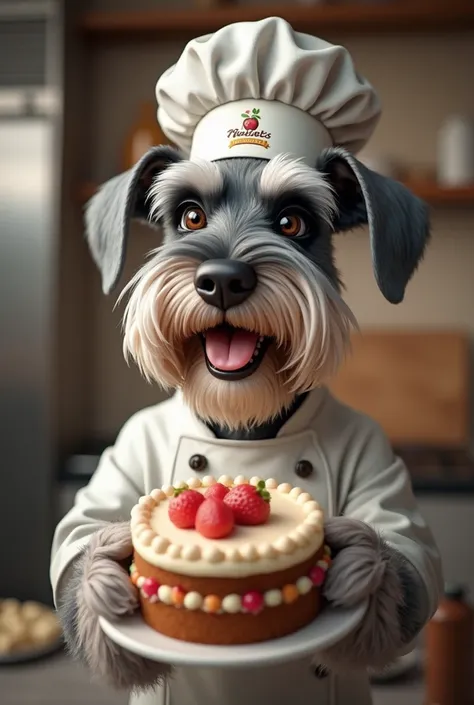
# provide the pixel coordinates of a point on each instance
(300, 421)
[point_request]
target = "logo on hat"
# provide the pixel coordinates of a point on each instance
(251, 121)
(249, 132)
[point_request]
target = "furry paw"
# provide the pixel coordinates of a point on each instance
(101, 587)
(364, 567)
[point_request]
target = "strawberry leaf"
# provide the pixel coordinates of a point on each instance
(178, 490)
(244, 115)
(264, 493)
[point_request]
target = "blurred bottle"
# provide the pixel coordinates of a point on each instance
(450, 651)
(456, 152)
(144, 134)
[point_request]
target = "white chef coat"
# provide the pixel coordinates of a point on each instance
(355, 473)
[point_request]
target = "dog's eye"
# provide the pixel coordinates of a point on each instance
(291, 225)
(193, 218)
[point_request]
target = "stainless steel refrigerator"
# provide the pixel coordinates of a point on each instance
(30, 117)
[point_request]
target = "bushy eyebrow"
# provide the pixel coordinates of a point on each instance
(199, 179)
(284, 177)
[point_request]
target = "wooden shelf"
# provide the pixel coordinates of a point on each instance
(437, 195)
(429, 191)
(398, 15)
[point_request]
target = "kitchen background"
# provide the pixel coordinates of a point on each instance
(74, 82)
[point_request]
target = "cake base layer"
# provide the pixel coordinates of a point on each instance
(200, 627)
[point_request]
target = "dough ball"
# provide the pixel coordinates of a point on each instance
(31, 611)
(13, 625)
(45, 630)
(10, 605)
(7, 644)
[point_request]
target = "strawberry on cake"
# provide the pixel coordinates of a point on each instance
(228, 561)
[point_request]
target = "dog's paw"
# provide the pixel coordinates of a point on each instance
(100, 586)
(104, 588)
(364, 567)
(122, 670)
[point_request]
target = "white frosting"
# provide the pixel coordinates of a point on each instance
(292, 534)
(158, 495)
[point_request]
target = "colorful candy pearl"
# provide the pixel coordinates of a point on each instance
(317, 575)
(150, 587)
(177, 596)
(304, 585)
(212, 604)
(290, 594)
(232, 604)
(165, 594)
(253, 602)
(192, 601)
(273, 598)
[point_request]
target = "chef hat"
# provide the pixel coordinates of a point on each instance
(258, 89)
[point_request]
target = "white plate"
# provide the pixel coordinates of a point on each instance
(331, 625)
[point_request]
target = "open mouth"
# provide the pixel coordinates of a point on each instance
(233, 353)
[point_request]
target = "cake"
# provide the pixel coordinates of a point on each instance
(260, 580)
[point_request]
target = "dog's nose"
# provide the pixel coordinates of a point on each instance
(225, 282)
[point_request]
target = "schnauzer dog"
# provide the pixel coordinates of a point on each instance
(240, 307)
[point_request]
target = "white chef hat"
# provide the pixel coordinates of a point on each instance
(258, 89)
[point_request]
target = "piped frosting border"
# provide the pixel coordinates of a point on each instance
(248, 559)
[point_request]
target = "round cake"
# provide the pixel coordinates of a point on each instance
(247, 567)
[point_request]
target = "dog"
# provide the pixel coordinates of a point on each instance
(241, 308)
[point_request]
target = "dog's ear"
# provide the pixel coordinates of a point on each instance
(398, 221)
(117, 202)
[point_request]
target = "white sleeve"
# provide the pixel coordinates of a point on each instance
(110, 496)
(381, 495)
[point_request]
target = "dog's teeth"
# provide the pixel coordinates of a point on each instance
(251, 359)
(260, 340)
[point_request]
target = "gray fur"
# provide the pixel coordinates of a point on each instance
(364, 567)
(242, 233)
(109, 212)
(399, 223)
(100, 586)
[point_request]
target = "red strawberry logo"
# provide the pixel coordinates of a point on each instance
(251, 121)
(251, 505)
(214, 519)
(183, 507)
(218, 491)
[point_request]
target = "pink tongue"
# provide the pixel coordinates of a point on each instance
(230, 350)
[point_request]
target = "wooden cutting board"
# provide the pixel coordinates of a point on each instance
(416, 385)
